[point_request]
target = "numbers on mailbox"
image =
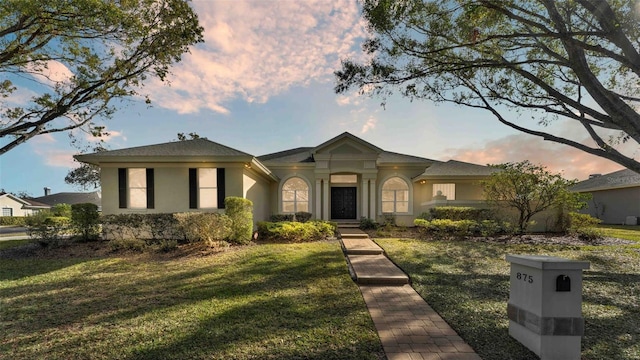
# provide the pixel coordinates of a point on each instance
(524, 277)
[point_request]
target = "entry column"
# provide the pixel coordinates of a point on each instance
(365, 198)
(318, 199)
(372, 202)
(325, 200)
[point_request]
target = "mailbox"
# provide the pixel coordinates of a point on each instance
(545, 305)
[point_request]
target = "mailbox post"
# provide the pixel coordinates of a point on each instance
(545, 305)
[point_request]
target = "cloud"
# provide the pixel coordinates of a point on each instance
(255, 50)
(369, 125)
(572, 162)
(50, 72)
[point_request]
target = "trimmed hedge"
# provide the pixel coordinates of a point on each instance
(458, 213)
(13, 220)
(460, 228)
(292, 231)
(300, 216)
(240, 211)
(85, 221)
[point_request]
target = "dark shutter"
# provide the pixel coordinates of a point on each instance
(122, 188)
(220, 185)
(150, 190)
(193, 188)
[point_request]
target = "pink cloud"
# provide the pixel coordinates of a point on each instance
(572, 162)
(254, 50)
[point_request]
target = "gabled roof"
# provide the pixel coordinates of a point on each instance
(177, 149)
(70, 198)
(349, 136)
(14, 198)
(615, 180)
(306, 154)
(298, 155)
(456, 168)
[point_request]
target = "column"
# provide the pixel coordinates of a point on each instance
(325, 200)
(318, 199)
(372, 201)
(365, 198)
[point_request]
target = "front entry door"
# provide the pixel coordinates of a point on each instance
(343, 202)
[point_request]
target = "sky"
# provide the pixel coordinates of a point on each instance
(263, 82)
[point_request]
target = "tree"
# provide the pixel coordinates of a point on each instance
(529, 189)
(86, 175)
(572, 60)
(78, 56)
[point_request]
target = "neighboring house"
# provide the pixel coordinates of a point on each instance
(70, 198)
(11, 205)
(345, 178)
(615, 196)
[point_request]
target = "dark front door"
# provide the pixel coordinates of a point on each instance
(343, 202)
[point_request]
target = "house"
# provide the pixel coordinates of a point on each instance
(69, 198)
(615, 196)
(342, 179)
(12, 205)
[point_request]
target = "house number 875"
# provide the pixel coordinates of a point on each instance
(524, 277)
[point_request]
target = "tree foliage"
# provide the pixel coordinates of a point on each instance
(529, 189)
(549, 60)
(62, 63)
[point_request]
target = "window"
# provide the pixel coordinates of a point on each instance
(295, 196)
(206, 188)
(448, 190)
(135, 188)
(395, 196)
(7, 212)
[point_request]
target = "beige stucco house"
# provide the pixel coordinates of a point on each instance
(344, 178)
(12, 205)
(615, 197)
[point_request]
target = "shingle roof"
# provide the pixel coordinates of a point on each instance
(391, 157)
(457, 168)
(619, 179)
(70, 198)
(298, 155)
(195, 147)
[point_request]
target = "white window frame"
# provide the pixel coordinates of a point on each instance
(207, 188)
(395, 201)
(137, 188)
(295, 200)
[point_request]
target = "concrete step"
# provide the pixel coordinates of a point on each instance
(375, 270)
(359, 246)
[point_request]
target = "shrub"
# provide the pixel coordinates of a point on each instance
(290, 231)
(583, 226)
(367, 224)
(240, 211)
(459, 213)
(208, 227)
(13, 220)
(137, 245)
(61, 210)
(302, 216)
(388, 220)
(458, 228)
(51, 231)
(85, 221)
(281, 217)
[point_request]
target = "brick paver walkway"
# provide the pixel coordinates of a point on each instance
(408, 327)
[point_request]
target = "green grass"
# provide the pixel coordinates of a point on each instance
(467, 283)
(621, 231)
(5, 244)
(276, 301)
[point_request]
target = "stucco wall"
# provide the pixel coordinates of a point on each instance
(171, 182)
(257, 189)
(7, 202)
(613, 206)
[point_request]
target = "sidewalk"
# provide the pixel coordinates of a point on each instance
(407, 326)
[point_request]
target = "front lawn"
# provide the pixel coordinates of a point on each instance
(467, 283)
(280, 301)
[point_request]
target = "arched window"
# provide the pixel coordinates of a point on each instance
(295, 196)
(395, 196)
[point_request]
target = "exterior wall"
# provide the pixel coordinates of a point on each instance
(468, 193)
(17, 210)
(257, 189)
(171, 183)
(613, 206)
